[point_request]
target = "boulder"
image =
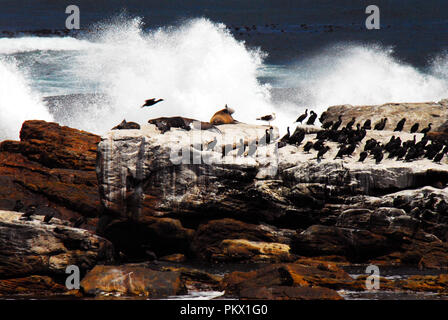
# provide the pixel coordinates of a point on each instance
(37, 248)
(229, 239)
(32, 285)
(423, 113)
(252, 251)
(355, 244)
(51, 166)
(289, 293)
(132, 280)
(276, 281)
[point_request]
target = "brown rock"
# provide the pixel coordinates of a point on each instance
(163, 236)
(197, 279)
(36, 285)
(328, 240)
(289, 275)
(132, 280)
(35, 247)
(51, 166)
(252, 251)
(289, 293)
(175, 257)
(207, 241)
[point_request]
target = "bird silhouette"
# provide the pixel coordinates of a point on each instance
(312, 118)
(426, 130)
(151, 102)
(302, 116)
(414, 128)
(400, 125)
(268, 118)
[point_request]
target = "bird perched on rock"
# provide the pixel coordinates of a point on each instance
(322, 151)
(151, 102)
(286, 137)
(336, 125)
(327, 124)
(380, 125)
(367, 125)
(350, 124)
(438, 157)
(18, 206)
(297, 137)
(30, 210)
(307, 147)
(400, 125)
(312, 118)
(378, 157)
(362, 156)
(426, 130)
(266, 138)
(302, 116)
(414, 128)
(268, 118)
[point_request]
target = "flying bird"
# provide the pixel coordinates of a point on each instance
(151, 102)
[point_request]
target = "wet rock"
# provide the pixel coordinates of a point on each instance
(255, 284)
(132, 280)
(289, 293)
(35, 248)
(32, 285)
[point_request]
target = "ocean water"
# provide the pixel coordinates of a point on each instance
(198, 56)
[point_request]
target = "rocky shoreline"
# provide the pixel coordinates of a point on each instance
(151, 204)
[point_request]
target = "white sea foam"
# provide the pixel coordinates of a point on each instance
(18, 102)
(364, 75)
(27, 44)
(196, 68)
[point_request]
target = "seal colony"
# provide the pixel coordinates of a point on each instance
(347, 138)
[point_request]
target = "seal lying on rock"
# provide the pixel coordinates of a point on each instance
(164, 124)
(223, 116)
(126, 125)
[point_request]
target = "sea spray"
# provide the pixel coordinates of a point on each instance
(196, 68)
(18, 102)
(363, 75)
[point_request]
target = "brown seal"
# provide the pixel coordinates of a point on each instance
(223, 116)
